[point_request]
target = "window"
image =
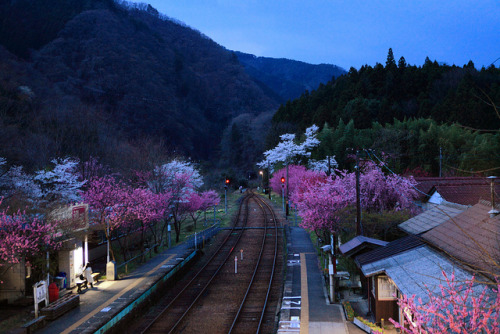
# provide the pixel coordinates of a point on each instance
(386, 289)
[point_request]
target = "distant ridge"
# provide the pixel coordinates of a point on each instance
(289, 79)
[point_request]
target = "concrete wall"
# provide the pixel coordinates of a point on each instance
(13, 286)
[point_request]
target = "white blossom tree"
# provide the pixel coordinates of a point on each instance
(287, 149)
(14, 181)
(61, 183)
(325, 165)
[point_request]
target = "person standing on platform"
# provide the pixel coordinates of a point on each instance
(87, 273)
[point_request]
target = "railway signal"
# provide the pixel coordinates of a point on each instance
(226, 184)
(283, 192)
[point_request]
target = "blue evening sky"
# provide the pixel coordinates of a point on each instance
(351, 32)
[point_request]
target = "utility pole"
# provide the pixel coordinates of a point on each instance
(268, 185)
(286, 213)
(358, 199)
(440, 161)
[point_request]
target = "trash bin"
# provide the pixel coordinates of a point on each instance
(64, 284)
(53, 292)
(59, 280)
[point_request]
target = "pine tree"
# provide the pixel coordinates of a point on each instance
(390, 62)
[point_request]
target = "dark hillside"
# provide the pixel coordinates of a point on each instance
(128, 74)
(28, 25)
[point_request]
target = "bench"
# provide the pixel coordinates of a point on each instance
(60, 306)
(95, 276)
(35, 324)
(81, 284)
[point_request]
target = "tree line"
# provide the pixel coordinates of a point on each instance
(410, 113)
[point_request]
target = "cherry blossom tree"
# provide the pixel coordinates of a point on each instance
(326, 165)
(287, 149)
(15, 183)
(62, 182)
(144, 209)
(379, 191)
(298, 176)
(198, 203)
(458, 308)
(181, 179)
(24, 237)
(106, 198)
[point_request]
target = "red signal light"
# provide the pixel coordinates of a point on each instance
(227, 181)
(283, 180)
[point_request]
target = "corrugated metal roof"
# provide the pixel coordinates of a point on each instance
(418, 271)
(471, 237)
(392, 248)
(432, 218)
(360, 242)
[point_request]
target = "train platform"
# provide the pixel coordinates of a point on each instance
(109, 301)
(305, 306)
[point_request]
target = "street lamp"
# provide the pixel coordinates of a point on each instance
(261, 178)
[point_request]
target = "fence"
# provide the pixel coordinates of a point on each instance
(195, 240)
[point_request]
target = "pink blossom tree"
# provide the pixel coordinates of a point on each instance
(180, 179)
(24, 237)
(458, 308)
(298, 176)
(198, 203)
(106, 198)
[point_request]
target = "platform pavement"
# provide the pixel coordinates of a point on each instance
(108, 298)
(305, 306)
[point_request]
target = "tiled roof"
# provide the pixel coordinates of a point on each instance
(392, 248)
(418, 271)
(466, 193)
(359, 243)
(432, 218)
(471, 237)
(461, 190)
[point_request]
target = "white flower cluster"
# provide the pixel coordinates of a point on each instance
(323, 165)
(287, 149)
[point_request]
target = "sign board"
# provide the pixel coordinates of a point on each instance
(77, 215)
(40, 293)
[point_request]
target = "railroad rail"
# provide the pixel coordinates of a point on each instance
(245, 297)
(249, 306)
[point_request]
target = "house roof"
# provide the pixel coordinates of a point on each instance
(392, 248)
(359, 244)
(432, 218)
(471, 237)
(418, 271)
(461, 190)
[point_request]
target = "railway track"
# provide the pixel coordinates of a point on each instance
(217, 299)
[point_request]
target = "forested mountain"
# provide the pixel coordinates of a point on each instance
(406, 112)
(288, 78)
(99, 78)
